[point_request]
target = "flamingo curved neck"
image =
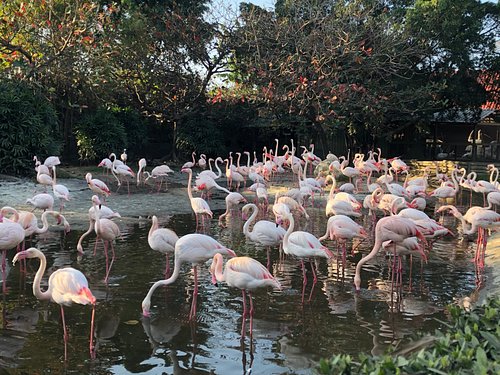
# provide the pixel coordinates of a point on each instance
(288, 233)
(190, 173)
(37, 291)
(154, 226)
(376, 248)
(45, 223)
(251, 219)
(170, 280)
(219, 274)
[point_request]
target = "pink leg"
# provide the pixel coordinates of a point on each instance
(4, 265)
(167, 266)
(304, 279)
(91, 341)
(244, 313)
(65, 334)
(251, 313)
(192, 314)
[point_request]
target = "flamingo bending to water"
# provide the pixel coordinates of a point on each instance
(162, 240)
(194, 248)
(246, 274)
(66, 285)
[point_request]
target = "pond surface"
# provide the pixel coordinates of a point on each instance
(288, 337)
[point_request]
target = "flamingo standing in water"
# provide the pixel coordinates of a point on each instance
(162, 240)
(66, 285)
(233, 199)
(199, 205)
(60, 191)
(194, 248)
(395, 229)
(107, 231)
(246, 274)
(302, 245)
(264, 232)
(11, 235)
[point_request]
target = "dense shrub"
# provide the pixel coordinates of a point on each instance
(136, 127)
(470, 345)
(98, 134)
(28, 124)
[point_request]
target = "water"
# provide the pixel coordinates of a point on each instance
(288, 337)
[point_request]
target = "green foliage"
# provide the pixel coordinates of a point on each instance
(28, 124)
(471, 345)
(136, 128)
(98, 134)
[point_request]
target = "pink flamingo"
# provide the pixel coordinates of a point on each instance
(194, 248)
(264, 232)
(42, 201)
(140, 173)
(162, 240)
(233, 199)
(246, 274)
(160, 172)
(11, 236)
(342, 228)
(107, 231)
(118, 167)
(390, 228)
(105, 213)
(190, 164)
(97, 186)
(199, 205)
(66, 285)
(303, 245)
(60, 191)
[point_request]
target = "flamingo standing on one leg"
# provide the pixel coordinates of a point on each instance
(66, 285)
(246, 274)
(199, 205)
(162, 240)
(194, 248)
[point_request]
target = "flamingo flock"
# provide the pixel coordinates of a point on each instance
(397, 225)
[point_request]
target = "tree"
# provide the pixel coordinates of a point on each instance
(348, 63)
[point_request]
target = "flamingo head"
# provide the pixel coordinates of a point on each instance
(362, 232)
(26, 254)
(186, 170)
(146, 306)
(230, 253)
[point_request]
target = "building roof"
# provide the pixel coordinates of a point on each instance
(466, 116)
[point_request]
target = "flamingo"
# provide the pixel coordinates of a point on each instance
(107, 231)
(205, 183)
(190, 164)
(66, 285)
(293, 205)
(118, 167)
(342, 228)
(162, 240)
(60, 191)
(97, 186)
(44, 179)
(264, 232)
(42, 201)
(105, 213)
(246, 274)
(199, 205)
(140, 173)
(233, 199)
(160, 172)
(390, 228)
(303, 245)
(211, 173)
(123, 156)
(194, 248)
(202, 161)
(11, 235)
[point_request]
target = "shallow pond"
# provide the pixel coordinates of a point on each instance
(288, 337)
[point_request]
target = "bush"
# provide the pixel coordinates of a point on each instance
(98, 134)
(136, 128)
(470, 345)
(28, 124)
